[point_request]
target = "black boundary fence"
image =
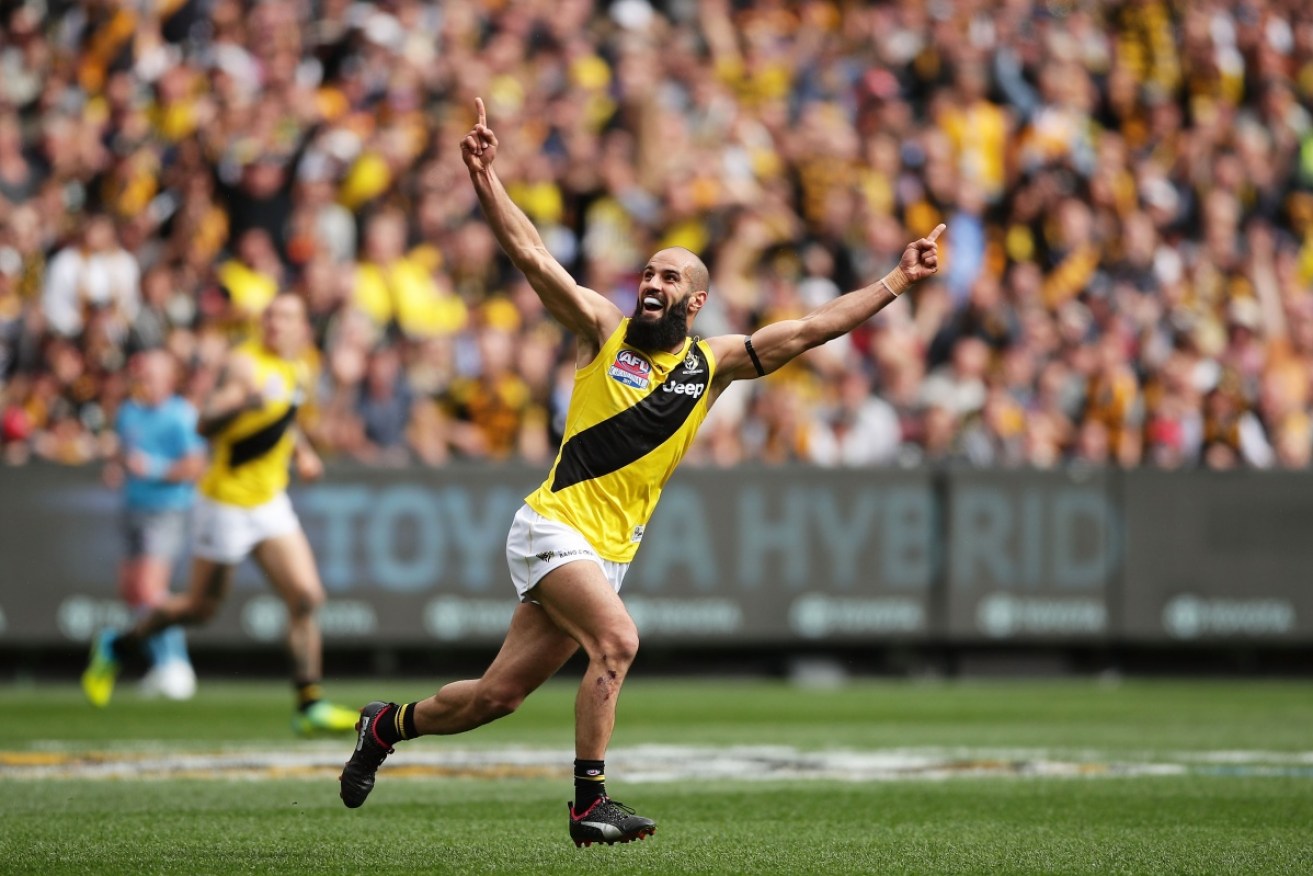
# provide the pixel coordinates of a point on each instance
(891, 569)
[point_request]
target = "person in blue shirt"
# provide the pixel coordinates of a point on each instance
(160, 457)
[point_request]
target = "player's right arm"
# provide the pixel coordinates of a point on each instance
(740, 357)
(581, 310)
(234, 394)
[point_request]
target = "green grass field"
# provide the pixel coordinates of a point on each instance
(971, 777)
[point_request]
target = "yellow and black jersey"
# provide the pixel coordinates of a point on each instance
(632, 417)
(249, 458)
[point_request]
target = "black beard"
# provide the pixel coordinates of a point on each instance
(668, 331)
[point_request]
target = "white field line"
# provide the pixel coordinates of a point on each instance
(647, 763)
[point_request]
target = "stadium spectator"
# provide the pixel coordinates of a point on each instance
(855, 427)
(399, 291)
(958, 386)
(19, 175)
(492, 414)
(384, 407)
(250, 279)
(91, 275)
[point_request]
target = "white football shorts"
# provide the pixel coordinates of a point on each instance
(228, 533)
(537, 545)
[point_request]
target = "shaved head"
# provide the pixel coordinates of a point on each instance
(694, 269)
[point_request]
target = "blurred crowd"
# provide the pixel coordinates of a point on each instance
(1128, 190)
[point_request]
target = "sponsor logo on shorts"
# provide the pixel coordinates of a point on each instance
(631, 369)
(549, 556)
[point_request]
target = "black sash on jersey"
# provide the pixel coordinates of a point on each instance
(261, 441)
(636, 431)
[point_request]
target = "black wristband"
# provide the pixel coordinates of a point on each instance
(752, 354)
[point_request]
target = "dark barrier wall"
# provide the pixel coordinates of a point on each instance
(1032, 556)
(1217, 557)
(747, 556)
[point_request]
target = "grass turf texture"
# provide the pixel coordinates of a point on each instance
(1196, 823)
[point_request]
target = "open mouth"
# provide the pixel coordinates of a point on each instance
(652, 304)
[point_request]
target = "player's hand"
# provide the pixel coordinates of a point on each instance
(479, 148)
(137, 463)
(921, 258)
(309, 467)
(187, 469)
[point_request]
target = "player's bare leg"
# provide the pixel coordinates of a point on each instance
(207, 589)
(539, 641)
(210, 583)
(144, 581)
(581, 601)
(289, 565)
(533, 651)
(577, 606)
(144, 586)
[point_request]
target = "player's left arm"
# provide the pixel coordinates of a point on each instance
(741, 357)
(305, 459)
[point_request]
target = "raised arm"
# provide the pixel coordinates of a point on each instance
(778, 343)
(581, 310)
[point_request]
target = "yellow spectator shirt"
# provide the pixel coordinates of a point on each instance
(406, 291)
(632, 417)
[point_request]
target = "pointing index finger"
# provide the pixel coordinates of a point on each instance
(483, 114)
(934, 235)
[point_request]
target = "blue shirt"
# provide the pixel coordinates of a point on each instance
(164, 435)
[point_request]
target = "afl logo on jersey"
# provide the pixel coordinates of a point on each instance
(631, 369)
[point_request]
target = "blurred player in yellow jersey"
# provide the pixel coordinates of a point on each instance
(243, 509)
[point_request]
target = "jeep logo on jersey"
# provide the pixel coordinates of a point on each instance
(693, 389)
(631, 369)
